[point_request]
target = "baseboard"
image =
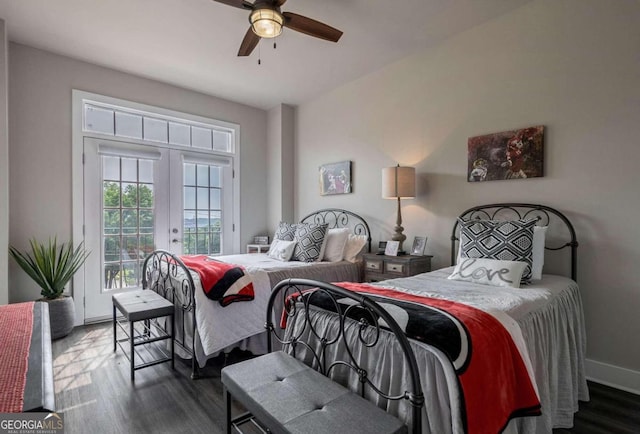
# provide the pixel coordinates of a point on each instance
(614, 376)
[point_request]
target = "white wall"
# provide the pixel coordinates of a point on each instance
(4, 165)
(40, 88)
(572, 66)
(281, 165)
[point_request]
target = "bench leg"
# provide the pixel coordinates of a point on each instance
(133, 351)
(227, 405)
(115, 332)
(173, 340)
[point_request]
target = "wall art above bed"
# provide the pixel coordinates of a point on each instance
(335, 178)
(515, 154)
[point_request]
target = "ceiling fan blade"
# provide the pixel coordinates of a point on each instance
(248, 43)
(311, 27)
(242, 4)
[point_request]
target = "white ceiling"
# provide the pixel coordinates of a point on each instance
(193, 43)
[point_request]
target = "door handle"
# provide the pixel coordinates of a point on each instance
(176, 240)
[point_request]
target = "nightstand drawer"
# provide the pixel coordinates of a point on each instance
(390, 267)
(383, 267)
(373, 265)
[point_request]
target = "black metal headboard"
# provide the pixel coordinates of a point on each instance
(340, 218)
(520, 211)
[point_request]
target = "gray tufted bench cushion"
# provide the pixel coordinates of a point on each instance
(289, 397)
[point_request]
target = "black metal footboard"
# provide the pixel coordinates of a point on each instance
(339, 348)
(165, 274)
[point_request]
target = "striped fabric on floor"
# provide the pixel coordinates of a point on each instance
(16, 326)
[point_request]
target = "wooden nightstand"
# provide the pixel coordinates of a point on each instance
(382, 267)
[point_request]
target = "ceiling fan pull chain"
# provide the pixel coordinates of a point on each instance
(259, 54)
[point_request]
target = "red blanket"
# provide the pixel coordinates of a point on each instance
(16, 327)
(495, 383)
(225, 283)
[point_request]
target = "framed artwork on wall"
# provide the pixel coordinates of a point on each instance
(335, 178)
(515, 154)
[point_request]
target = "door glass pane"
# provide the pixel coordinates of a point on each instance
(127, 219)
(202, 216)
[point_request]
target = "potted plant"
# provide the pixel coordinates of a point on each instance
(51, 266)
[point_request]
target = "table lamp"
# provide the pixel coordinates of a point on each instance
(399, 183)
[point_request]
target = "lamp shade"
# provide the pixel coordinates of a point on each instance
(399, 182)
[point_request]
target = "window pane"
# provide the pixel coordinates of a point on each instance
(111, 221)
(216, 220)
(189, 221)
(146, 222)
(111, 168)
(201, 138)
(190, 198)
(155, 130)
(221, 141)
(129, 195)
(98, 119)
(111, 194)
(216, 173)
(146, 195)
(215, 199)
(128, 125)
(145, 168)
(179, 134)
(203, 198)
(203, 175)
(189, 174)
(129, 169)
(129, 221)
(214, 243)
(112, 248)
(203, 220)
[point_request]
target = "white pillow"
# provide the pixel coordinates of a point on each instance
(335, 240)
(281, 250)
(355, 244)
(537, 251)
(489, 272)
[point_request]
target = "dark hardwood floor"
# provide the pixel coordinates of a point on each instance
(95, 394)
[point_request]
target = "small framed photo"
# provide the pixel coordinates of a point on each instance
(418, 246)
(391, 249)
(382, 245)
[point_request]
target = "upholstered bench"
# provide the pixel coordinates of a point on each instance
(285, 395)
(142, 305)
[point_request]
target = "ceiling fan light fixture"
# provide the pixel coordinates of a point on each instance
(266, 23)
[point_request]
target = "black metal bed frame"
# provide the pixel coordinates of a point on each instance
(366, 314)
(164, 273)
(521, 211)
(340, 218)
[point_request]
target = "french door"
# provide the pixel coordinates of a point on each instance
(138, 198)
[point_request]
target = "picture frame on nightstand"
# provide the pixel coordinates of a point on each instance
(382, 245)
(391, 249)
(419, 244)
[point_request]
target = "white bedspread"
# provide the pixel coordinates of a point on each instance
(221, 327)
(550, 318)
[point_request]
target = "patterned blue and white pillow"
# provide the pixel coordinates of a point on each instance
(309, 238)
(504, 240)
(285, 231)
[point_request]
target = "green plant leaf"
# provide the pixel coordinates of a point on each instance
(51, 265)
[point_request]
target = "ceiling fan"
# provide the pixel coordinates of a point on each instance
(267, 21)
